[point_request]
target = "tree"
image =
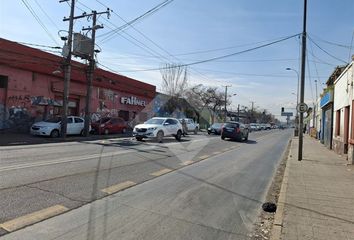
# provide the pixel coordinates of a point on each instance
(174, 79)
(207, 97)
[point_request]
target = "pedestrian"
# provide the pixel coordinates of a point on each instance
(184, 127)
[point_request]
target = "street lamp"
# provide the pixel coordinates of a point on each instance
(297, 100)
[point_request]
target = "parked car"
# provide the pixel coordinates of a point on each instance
(268, 126)
(253, 127)
(234, 130)
(191, 125)
(215, 128)
(158, 128)
(109, 125)
(51, 127)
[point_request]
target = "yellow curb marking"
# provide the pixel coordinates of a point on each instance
(204, 156)
(32, 218)
(160, 172)
(186, 163)
(118, 187)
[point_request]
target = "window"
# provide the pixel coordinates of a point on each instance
(338, 122)
(3, 81)
(70, 120)
(78, 120)
(170, 121)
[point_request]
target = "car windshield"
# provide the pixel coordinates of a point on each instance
(216, 125)
(54, 120)
(158, 121)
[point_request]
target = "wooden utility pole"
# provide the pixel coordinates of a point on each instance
(67, 70)
(91, 70)
(91, 59)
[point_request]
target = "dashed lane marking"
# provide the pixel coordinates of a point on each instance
(204, 156)
(161, 172)
(118, 187)
(186, 163)
(216, 153)
(32, 218)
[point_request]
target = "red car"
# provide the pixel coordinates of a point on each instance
(109, 125)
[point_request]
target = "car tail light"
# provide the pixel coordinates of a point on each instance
(237, 130)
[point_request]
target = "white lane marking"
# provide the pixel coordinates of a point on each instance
(81, 158)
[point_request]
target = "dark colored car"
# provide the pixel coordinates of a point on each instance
(234, 130)
(215, 128)
(109, 125)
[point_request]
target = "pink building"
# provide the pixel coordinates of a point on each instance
(31, 89)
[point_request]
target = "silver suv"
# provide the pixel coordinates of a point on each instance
(158, 128)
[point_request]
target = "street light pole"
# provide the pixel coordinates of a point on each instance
(227, 86)
(297, 99)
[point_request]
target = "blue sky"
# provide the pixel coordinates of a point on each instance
(186, 31)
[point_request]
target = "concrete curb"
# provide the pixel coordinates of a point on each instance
(279, 215)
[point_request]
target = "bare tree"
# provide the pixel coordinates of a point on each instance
(174, 79)
(207, 97)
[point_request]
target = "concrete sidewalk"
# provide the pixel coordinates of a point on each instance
(317, 196)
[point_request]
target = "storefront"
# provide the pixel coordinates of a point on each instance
(326, 105)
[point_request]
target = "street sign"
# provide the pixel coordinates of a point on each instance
(287, 114)
(302, 107)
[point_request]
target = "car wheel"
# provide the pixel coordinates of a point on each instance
(106, 131)
(54, 133)
(178, 135)
(196, 131)
(208, 132)
(138, 138)
(159, 136)
(124, 130)
(246, 138)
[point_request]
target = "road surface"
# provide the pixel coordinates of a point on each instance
(200, 188)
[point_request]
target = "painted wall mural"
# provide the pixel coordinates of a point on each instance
(23, 110)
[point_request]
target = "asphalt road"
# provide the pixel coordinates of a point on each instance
(200, 188)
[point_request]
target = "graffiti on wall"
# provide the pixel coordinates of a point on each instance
(23, 110)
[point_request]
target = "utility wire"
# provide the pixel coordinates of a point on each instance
(332, 43)
(38, 45)
(223, 56)
(329, 54)
(45, 13)
(33, 13)
(318, 77)
(110, 34)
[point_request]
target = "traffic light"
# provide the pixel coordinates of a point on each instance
(282, 109)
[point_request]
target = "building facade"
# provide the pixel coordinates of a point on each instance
(31, 89)
(343, 125)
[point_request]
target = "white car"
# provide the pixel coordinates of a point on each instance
(51, 127)
(191, 125)
(158, 128)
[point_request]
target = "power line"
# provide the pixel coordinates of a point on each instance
(109, 35)
(333, 43)
(38, 45)
(329, 54)
(45, 13)
(223, 56)
(33, 13)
